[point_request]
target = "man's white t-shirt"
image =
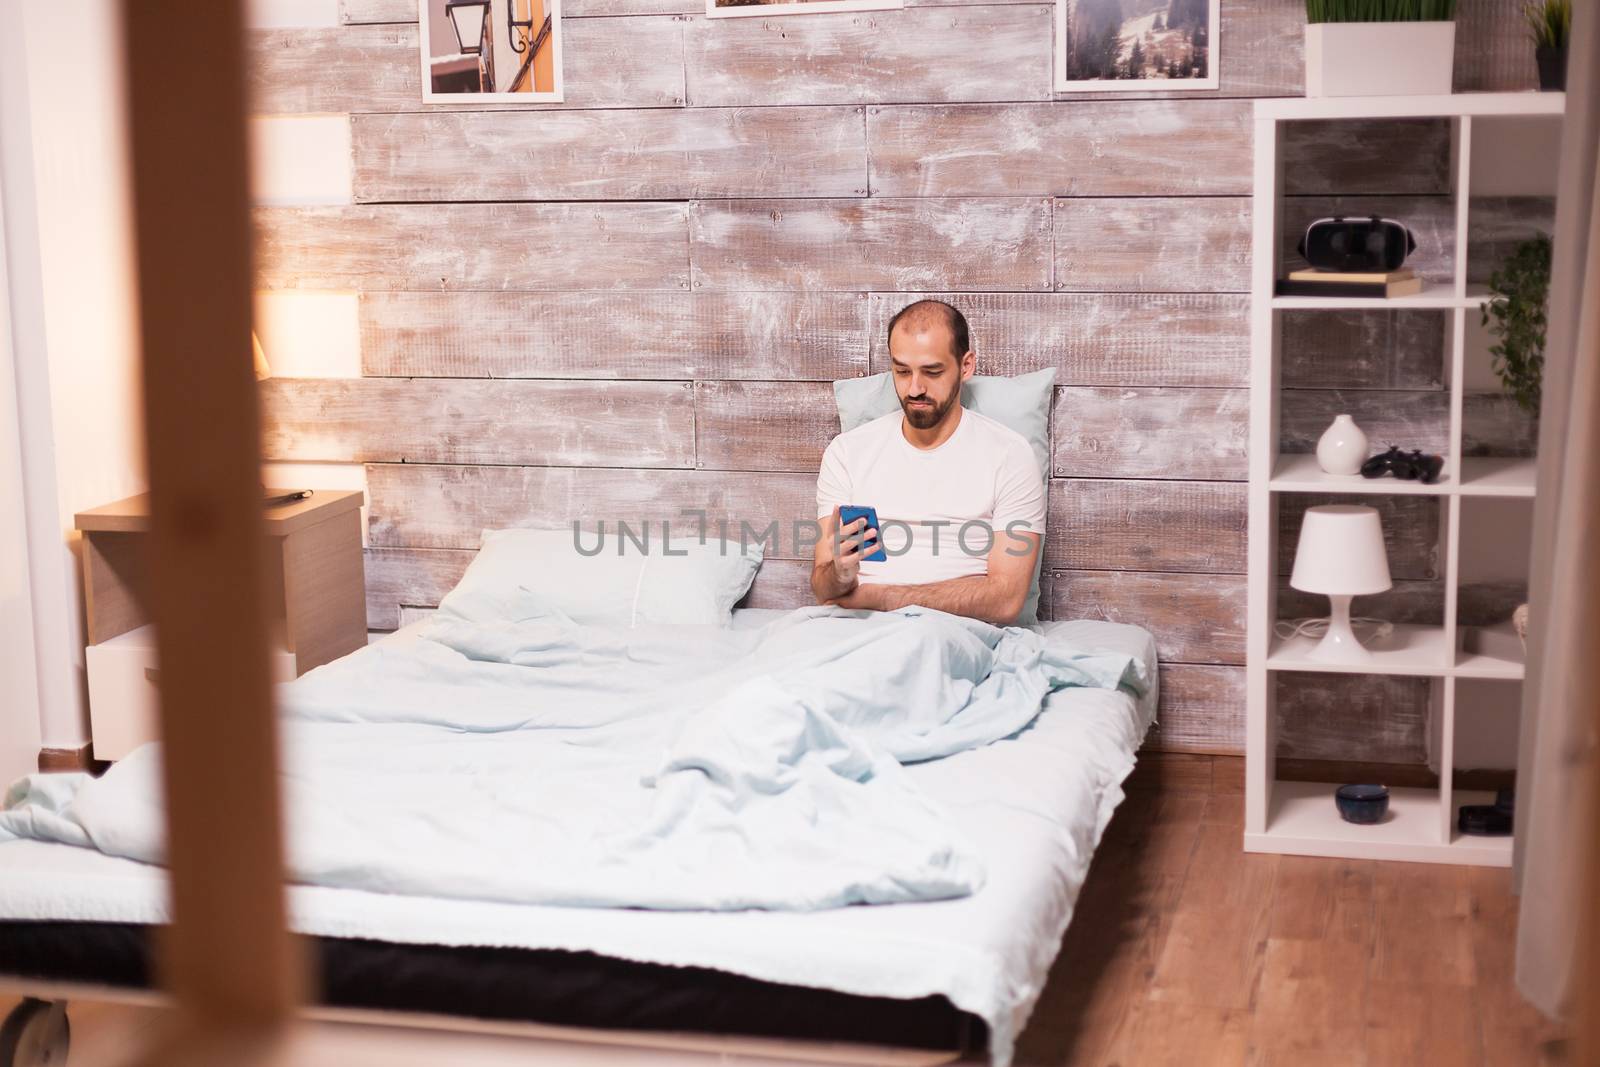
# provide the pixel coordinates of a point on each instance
(985, 473)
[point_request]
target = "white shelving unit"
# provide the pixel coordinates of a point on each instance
(1300, 817)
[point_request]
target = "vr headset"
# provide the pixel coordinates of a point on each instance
(1364, 245)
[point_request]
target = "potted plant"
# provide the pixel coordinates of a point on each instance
(1515, 315)
(1551, 23)
(1379, 47)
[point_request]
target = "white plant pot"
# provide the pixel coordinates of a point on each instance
(1379, 58)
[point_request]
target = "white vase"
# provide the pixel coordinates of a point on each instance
(1379, 58)
(1342, 448)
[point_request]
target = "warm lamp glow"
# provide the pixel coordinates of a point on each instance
(262, 370)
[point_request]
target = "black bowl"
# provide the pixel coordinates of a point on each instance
(1363, 804)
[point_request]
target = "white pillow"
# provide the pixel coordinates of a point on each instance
(520, 574)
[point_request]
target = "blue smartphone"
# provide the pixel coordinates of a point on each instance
(849, 513)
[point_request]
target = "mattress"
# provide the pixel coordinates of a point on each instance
(523, 985)
(1037, 801)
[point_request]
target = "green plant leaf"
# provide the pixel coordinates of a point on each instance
(1380, 10)
(1516, 316)
(1549, 22)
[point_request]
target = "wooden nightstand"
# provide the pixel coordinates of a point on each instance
(317, 594)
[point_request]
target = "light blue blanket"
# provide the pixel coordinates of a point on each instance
(672, 767)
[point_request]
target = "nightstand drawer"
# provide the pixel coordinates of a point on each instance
(123, 682)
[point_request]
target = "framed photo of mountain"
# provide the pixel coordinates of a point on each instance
(1136, 45)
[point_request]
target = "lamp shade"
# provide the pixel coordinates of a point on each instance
(1341, 552)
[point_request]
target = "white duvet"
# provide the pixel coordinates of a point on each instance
(755, 768)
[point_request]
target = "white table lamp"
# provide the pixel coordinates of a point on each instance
(1341, 555)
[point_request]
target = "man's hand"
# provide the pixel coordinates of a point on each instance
(854, 541)
(837, 566)
(996, 597)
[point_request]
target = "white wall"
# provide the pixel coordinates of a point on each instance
(72, 328)
(1509, 158)
(69, 394)
(19, 688)
(271, 14)
(1515, 157)
(300, 159)
(1496, 545)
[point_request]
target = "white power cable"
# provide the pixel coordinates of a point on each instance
(1287, 628)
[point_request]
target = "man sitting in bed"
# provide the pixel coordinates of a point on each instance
(960, 496)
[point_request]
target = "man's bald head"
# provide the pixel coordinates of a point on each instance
(926, 315)
(929, 357)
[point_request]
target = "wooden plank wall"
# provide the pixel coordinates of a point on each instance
(633, 302)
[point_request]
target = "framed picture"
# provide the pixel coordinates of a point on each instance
(723, 9)
(1140, 45)
(493, 51)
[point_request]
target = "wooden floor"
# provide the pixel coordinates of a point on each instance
(1185, 950)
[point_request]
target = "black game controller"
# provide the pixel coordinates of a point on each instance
(1411, 467)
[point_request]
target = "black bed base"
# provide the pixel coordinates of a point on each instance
(528, 985)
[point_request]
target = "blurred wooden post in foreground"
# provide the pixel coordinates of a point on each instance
(231, 960)
(237, 974)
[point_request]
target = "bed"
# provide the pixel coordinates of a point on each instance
(938, 974)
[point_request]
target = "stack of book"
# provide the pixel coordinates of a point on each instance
(1402, 282)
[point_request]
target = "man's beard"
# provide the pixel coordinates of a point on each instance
(925, 418)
